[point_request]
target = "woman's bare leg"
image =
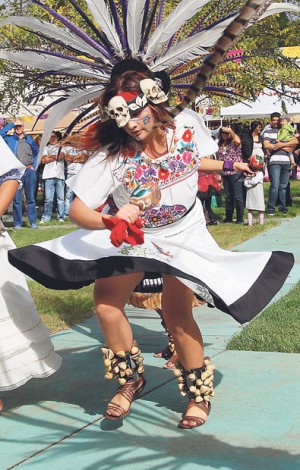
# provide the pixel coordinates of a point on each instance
(110, 297)
(177, 300)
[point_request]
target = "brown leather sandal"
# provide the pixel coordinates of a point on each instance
(130, 391)
(170, 364)
(194, 419)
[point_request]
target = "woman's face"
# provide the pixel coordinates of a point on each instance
(141, 126)
(258, 129)
(225, 136)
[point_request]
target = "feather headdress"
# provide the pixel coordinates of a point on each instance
(79, 60)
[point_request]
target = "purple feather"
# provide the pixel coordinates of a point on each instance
(85, 37)
(149, 25)
(98, 33)
(67, 57)
(146, 11)
(117, 22)
(59, 100)
(160, 12)
(78, 118)
(124, 15)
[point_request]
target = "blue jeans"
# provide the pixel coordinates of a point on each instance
(69, 196)
(54, 186)
(29, 182)
(233, 187)
(279, 174)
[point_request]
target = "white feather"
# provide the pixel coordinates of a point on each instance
(280, 8)
(62, 109)
(134, 21)
(44, 62)
(101, 14)
(184, 11)
(53, 31)
(190, 48)
(187, 49)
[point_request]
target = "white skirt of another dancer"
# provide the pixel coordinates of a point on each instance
(240, 284)
(26, 350)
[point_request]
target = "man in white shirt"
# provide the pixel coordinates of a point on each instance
(279, 164)
(54, 178)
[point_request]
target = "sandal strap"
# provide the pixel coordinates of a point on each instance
(112, 406)
(194, 419)
(201, 406)
(131, 389)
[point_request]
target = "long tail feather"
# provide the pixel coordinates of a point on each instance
(184, 11)
(99, 10)
(252, 9)
(91, 25)
(75, 29)
(134, 22)
(149, 24)
(62, 109)
(117, 21)
(50, 30)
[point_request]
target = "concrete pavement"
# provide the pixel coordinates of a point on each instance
(254, 424)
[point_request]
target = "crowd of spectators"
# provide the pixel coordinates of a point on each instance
(277, 143)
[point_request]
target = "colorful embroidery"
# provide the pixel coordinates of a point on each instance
(141, 251)
(167, 253)
(181, 162)
(165, 215)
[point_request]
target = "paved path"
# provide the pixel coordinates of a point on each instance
(255, 421)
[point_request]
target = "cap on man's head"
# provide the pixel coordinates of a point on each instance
(285, 116)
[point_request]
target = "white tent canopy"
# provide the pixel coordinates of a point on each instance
(266, 104)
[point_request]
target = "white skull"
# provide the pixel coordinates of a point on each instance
(118, 109)
(152, 91)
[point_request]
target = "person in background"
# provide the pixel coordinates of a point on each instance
(26, 351)
(279, 164)
(252, 143)
(54, 178)
(255, 200)
(26, 150)
(75, 158)
(230, 151)
(286, 133)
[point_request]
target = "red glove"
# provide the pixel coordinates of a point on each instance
(122, 231)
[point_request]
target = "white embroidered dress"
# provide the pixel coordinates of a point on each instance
(25, 348)
(177, 241)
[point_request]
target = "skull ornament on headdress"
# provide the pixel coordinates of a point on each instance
(121, 106)
(152, 91)
(174, 40)
(118, 110)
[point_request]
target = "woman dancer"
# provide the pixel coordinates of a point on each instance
(230, 151)
(150, 171)
(25, 347)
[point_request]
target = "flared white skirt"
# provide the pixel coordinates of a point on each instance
(26, 350)
(240, 284)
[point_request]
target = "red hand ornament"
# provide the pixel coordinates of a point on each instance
(123, 231)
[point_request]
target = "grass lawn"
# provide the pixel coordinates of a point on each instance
(271, 331)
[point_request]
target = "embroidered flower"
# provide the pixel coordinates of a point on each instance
(187, 135)
(138, 172)
(186, 157)
(163, 174)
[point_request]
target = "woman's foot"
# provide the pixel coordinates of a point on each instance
(119, 407)
(170, 364)
(195, 415)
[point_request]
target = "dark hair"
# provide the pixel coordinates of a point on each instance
(276, 114)
(107, 132)
(58, 134)
(254, 125)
